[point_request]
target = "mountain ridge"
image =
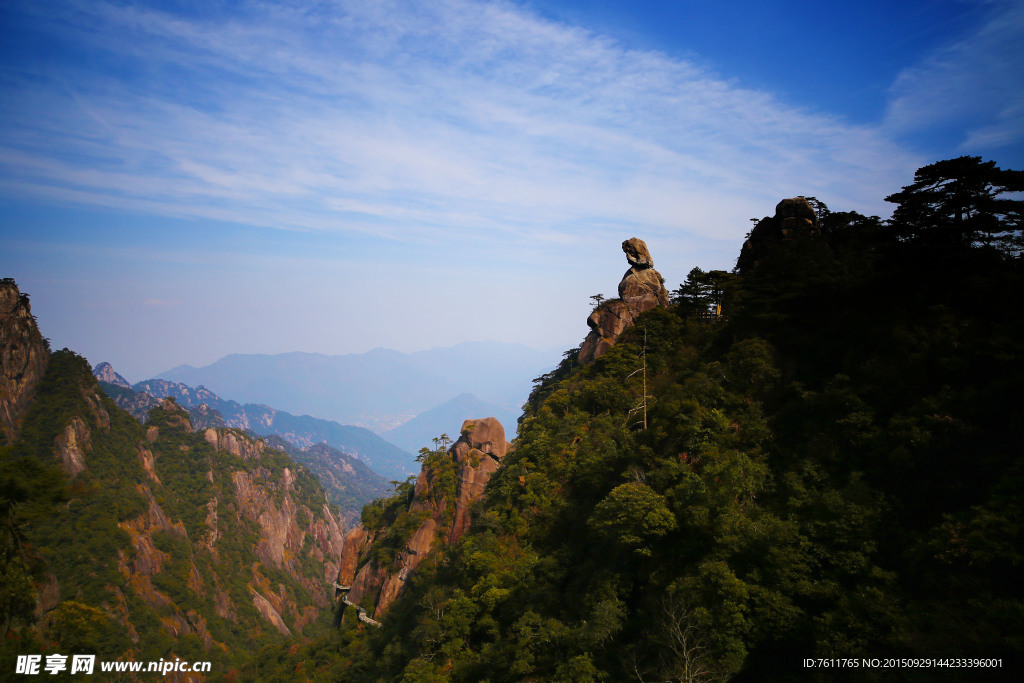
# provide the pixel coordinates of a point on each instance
(303, 431)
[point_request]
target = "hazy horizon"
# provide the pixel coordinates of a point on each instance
(548, 350)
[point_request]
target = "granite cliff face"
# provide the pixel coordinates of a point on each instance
(23, 357)
(438, 512)
(641, 289)
(794, 219)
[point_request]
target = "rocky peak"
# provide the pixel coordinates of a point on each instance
(104, 372)
(641, 289)
(476, 456)
(486, 435)
(794, 218)
(23, 358)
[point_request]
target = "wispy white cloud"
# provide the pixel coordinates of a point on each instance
(400, 119)
(974, 86)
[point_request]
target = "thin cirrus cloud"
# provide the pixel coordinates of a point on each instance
(974, 87)
(398, 120)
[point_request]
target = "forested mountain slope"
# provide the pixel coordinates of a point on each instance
(142, 542)
(832, 468)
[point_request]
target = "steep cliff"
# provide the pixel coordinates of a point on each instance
(381, 554)
(347, 481)
(23, 357)
(169, 542)
(641, 289)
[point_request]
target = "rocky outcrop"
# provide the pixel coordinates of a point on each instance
(446, 516)
(478, 454)
(23, 358)
(234, 442)
(641, 289)
(268, 612)
(71, 445)
(356, 542)
(794, 218)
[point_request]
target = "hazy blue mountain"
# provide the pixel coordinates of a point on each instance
(379, 389)
(447, 418)
(208, 409)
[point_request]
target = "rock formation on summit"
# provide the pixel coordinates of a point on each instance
(23, 358)
(641, 289)
(794, 218)
(443, 509)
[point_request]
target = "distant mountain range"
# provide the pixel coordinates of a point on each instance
(380, 389)
(302, 431)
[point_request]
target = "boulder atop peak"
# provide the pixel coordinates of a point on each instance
(641, 289)
(637, 253)
(486, 435)
(796, 212)
(475, 456)
(794, 218)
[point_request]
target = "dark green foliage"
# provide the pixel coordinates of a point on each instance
(960, 202)
(705, 293)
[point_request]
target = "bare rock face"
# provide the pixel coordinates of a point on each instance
(641, 289)
(203, 417)
(266, 609)
(796, 215)
(476, 456)
(287, 528)
(794, 218)
(356, 542)
(23, 358)
(234, 442)
(72, 444)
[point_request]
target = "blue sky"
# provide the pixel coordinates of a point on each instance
(184, 180)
